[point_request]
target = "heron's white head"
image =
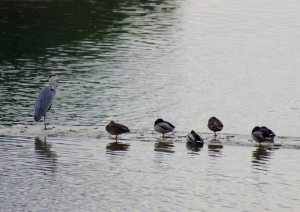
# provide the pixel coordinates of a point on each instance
(53, 77)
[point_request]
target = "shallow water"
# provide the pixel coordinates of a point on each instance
(69, 174)
(135, 61)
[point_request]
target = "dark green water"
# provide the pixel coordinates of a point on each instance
(33, 30)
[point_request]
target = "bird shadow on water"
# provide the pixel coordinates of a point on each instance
(164, 146)
(47, 157)
(260, 156)
(194, 148)
(215, 147)
(115, 148)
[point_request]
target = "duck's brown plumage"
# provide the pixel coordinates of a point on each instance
(215, 125)
(116, 129)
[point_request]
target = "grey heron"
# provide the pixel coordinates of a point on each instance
(44, 100)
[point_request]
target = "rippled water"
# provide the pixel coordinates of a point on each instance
(135, 61)
(101, 175)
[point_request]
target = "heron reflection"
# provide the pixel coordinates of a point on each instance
(44, 153)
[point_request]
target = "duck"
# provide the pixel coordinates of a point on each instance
(271, 133)
(215, 125)
(194, 138)
(260, 134)
(163, 127)
(116, 129)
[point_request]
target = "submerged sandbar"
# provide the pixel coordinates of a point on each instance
(98, 132)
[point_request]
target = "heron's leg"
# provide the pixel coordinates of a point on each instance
(45, 121)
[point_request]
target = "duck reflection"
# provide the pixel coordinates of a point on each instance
(115, 147)
(163, 146)
(48, 157)
(215, 147)
(194, 147)
(260, 157)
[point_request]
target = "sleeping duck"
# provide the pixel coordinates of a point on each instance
(215, 125)
(260, 135)
(163, 127)
(194, 138)
(116, 129)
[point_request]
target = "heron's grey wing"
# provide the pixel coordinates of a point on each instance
(43, 102)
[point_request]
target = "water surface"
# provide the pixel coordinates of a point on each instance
(69, 174)
(135, 61)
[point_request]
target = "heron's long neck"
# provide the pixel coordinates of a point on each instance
(53, 83)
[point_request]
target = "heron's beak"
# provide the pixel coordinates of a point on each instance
(60, 76)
